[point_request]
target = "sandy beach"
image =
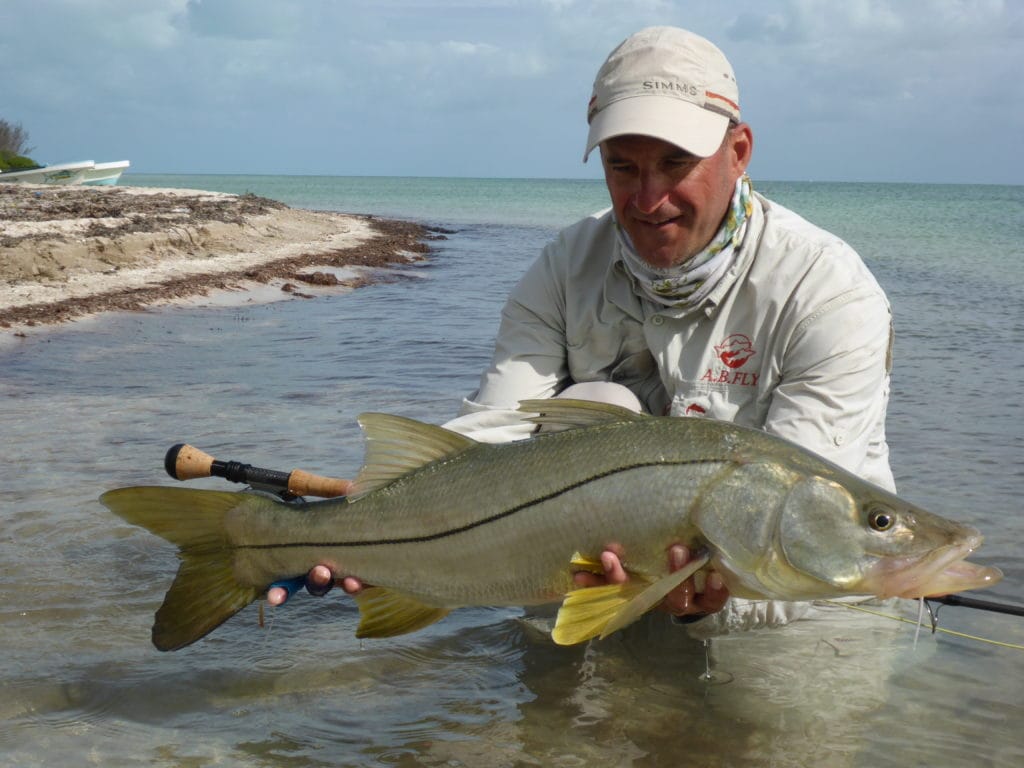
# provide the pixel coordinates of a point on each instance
(66, 252)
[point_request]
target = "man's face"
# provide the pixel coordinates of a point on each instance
(671, 203)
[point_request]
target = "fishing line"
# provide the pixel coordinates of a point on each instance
(920, 618)
(951, 632)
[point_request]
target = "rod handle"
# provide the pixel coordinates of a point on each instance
(303, 483)
(186, 462)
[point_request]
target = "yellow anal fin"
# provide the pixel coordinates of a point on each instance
(599, 611)
(384, 613)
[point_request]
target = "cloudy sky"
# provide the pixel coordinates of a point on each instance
(847, 90)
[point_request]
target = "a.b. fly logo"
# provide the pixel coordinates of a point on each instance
(734, 351)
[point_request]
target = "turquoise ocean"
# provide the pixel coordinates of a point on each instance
(95, 404)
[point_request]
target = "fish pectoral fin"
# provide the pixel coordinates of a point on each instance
(599, 611)
(384, 613)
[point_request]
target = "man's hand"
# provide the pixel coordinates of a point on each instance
(684, 600)
(319, 581)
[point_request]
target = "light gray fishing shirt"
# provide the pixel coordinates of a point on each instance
(795, 339)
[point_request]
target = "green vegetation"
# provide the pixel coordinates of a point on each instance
(14, 147)
(11, 162)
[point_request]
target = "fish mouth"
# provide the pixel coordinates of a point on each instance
(941, 572)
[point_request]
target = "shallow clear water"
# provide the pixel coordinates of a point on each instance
(96, 404)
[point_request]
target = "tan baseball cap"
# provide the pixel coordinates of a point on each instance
(667, 83)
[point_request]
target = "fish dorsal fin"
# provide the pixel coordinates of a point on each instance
(396, 445)
(599, 611)
(570, 414)
(384, 613)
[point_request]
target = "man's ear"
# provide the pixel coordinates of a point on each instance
(742, 143)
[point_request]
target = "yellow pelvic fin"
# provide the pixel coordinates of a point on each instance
(385, 613)
(599, 611)
(585, 612)
(582, 563)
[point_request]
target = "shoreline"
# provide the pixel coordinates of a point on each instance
(71, 252)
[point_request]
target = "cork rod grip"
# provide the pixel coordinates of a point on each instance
(186, 462)
(303, 483)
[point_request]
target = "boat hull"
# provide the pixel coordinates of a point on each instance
(105, 173)
(84, 172)
(64, 173)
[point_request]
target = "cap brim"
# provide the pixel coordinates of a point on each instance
(688, 126)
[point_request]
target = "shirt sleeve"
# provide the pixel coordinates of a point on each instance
(834, 386)
(530, 359)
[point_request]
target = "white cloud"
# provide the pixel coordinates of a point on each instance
(471, 87)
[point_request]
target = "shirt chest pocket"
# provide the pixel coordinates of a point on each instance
(738, 400)
(599, 351)
(616, 353)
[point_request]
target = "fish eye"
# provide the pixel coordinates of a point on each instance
(881, 520)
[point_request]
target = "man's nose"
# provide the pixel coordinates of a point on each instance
(651, 191)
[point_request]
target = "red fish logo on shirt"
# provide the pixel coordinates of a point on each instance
(735, 350)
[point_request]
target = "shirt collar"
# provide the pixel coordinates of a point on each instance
(619, 288)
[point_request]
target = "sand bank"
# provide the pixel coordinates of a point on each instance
(71, 251)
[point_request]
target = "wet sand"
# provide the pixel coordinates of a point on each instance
(67, 252)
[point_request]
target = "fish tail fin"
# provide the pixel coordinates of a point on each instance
(205, 592)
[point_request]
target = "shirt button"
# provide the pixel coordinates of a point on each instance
(839, 439)
(657, 320)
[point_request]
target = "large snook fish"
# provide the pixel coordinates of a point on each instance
(439, 521)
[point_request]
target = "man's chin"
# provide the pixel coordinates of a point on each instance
(660, 247)
(662, 258)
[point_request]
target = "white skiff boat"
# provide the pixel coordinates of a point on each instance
(64, 173)
(105, 173)
(84, 172)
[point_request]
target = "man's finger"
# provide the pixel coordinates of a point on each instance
(350, 584)
(316, 583)
(715, 594)
(280, 591)
(614, 573)
(678, 556)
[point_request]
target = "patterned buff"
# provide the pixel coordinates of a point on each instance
(688, 285)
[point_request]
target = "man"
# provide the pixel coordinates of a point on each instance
(693, 296)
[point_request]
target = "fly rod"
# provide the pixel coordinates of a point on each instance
(982, 605)
(186, 462)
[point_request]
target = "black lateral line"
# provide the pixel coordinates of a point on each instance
(475, 523)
